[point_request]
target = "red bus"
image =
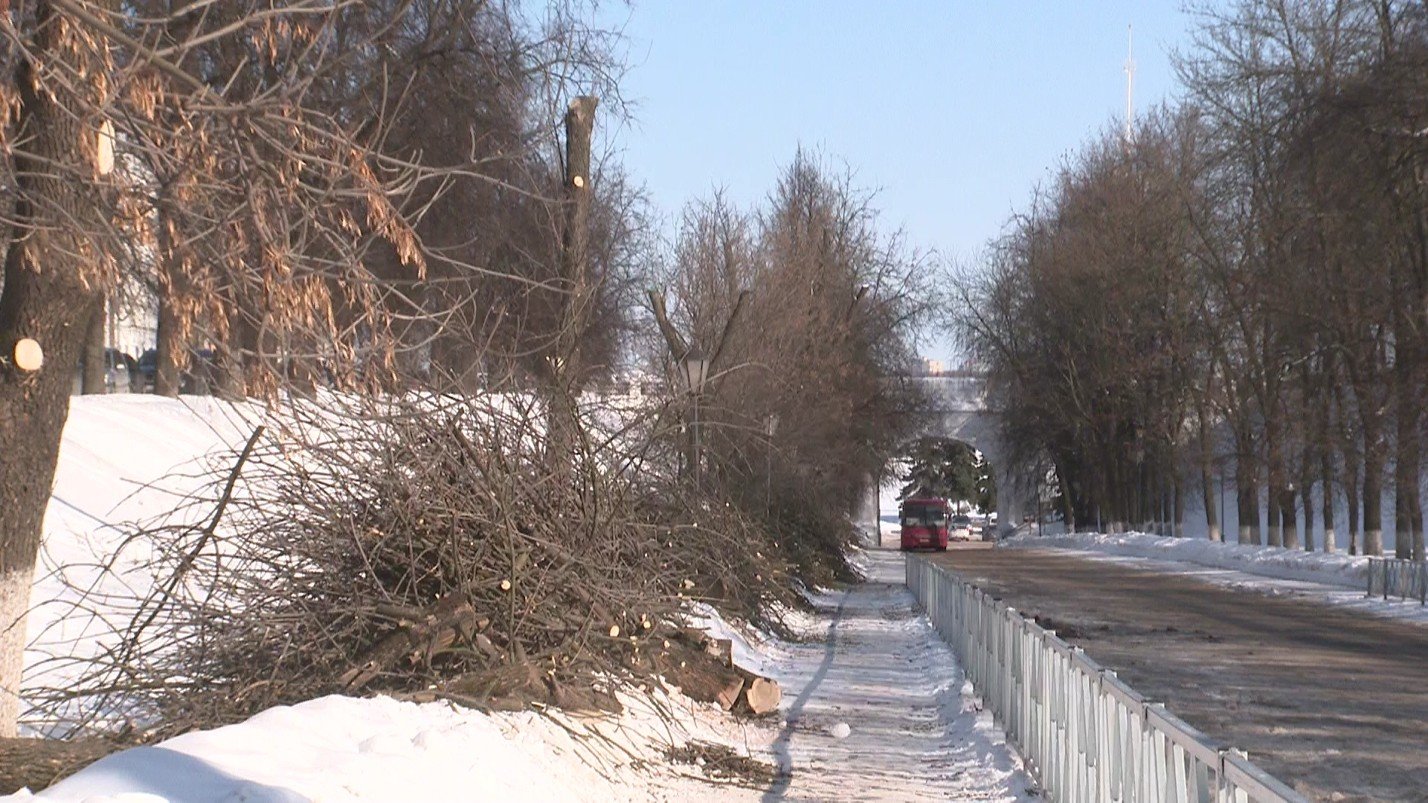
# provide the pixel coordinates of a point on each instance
(924, 523)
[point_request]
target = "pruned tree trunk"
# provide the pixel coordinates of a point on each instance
(578, 287)
(54, 271)
(94, 376)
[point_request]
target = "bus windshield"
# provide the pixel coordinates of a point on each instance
(923, 515)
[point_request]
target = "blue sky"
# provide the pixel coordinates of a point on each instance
(952, 110)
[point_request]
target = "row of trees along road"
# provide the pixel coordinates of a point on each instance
(1239, 283)
(409, 195)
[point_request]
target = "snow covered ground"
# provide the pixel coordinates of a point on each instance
(123, 459)
(1330, 577)
(875, 705)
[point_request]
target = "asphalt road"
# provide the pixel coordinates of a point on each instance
(1333, 703)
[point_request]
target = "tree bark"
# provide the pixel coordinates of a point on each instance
(1212, 518)
(1374, 458)
(94, 376)
(171, 353)
(1326, 480)
(1247, 491)
(1274, 464)
(54, 269)
(1352, 498)
(578, 301)
(1408, 517)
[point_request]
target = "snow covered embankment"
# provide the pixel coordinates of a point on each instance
(1329, 568)
(873, 700)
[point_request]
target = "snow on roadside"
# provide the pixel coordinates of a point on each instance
(1331, 578)
(1332, 568)
(873, 702)
(379, 749)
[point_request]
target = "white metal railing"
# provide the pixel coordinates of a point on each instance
(1082, 732)
(1393, 577)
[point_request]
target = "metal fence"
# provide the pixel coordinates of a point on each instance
(1392, 577)
(1083, 733)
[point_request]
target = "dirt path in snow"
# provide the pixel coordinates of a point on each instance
(878, 667)
(1331, 702)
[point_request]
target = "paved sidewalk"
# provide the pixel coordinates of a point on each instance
(879, 668)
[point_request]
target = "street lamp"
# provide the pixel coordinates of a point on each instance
(696, 372)
(770, 427)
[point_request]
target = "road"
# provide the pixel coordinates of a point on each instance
(1334, 703)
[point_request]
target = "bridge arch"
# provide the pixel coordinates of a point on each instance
(961, 412)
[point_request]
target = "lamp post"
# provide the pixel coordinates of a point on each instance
(770, 427)
(696, 371)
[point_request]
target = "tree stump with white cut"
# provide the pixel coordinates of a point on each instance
(762, 695)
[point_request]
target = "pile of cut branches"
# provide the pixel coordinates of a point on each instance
(422, 548)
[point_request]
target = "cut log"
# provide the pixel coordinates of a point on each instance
(451, 618)
(721, 648)
(763, 695)
(729, 695)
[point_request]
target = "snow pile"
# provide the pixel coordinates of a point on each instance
(1331, 568)
(379, 749)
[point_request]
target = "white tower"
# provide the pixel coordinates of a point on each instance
(1130, 89)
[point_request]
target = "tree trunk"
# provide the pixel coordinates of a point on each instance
(1247, 491)
(1288, 517)
(1374, 458)
(54, 269)
(578, 288)
(171, 354)
(1326, 480)
(1408, 521)
(1306, 493)
(1068, 508)
(94, 376)
(232, 375)
(1352, 498)
(1177, 521)
(1212, 518)
(1274, 465)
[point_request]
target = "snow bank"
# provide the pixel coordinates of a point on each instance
(1331, 568)
(379, 749)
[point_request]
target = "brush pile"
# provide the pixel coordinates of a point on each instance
(424, 549)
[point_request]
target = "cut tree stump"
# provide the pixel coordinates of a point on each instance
(729, 695)
(763, 695)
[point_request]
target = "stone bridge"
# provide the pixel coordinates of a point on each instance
(961, 412)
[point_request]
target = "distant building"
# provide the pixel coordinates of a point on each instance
(931, 367)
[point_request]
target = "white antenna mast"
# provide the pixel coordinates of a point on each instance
(1130, 88)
